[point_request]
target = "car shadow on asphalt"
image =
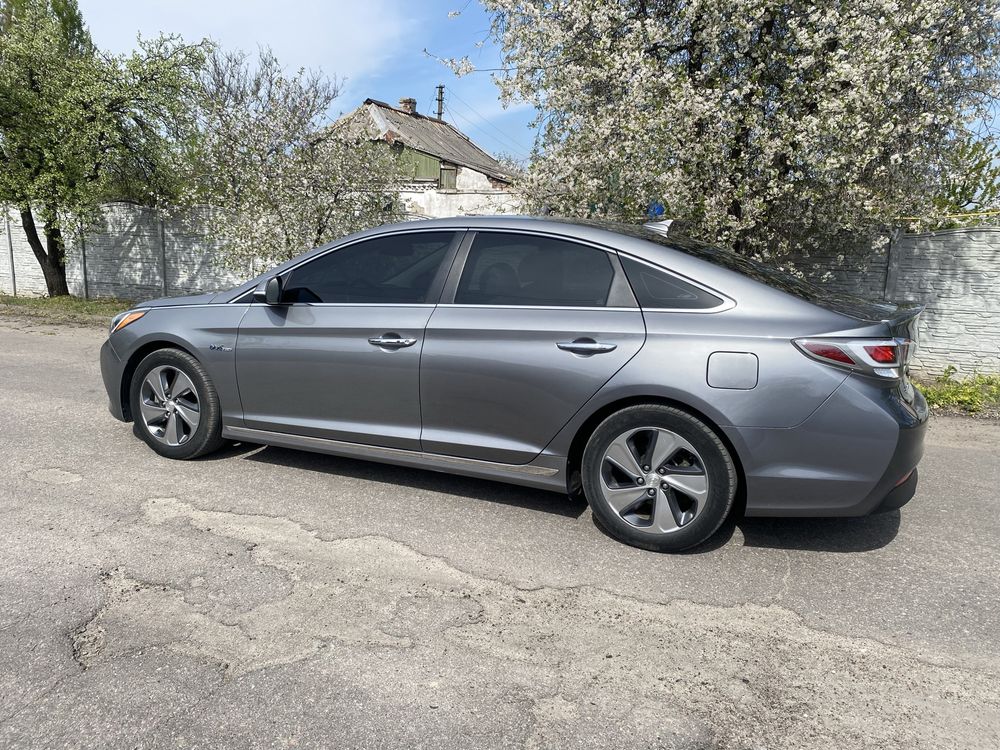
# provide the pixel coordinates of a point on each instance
(808, 534)
(862, 534)
(421, 479)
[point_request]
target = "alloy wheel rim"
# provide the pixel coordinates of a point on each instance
(169, 404)
(654, 480)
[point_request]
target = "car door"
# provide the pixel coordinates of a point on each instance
(339, 357)
(528, 329)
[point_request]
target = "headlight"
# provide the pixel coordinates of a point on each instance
(126, 318)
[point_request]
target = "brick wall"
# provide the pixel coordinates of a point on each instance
(956, 273)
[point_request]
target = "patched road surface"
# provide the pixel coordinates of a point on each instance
(268, 598)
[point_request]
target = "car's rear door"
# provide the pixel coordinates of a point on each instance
(340, 357)
(529, 328)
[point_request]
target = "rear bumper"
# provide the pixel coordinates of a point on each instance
(899, 495)
(855, 456)
(111, 373)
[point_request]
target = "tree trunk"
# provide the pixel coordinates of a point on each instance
(51, 258)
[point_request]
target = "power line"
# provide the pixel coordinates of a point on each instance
(504, 136)
(484, 133)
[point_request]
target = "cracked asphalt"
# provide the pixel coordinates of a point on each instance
(268, 598)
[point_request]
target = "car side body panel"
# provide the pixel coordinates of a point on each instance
(207, 331)
(515, 387)
(310, 369)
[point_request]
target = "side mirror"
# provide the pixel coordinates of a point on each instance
(269, 291)
(272, 291)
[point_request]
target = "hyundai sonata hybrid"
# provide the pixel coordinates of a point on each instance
(663, 379)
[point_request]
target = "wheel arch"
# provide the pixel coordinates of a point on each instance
(574, 456)
(132, 364)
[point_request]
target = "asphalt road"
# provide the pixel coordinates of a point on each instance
(268, 598)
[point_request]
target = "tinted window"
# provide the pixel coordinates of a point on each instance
(824, 296)
(656, 288)
(396, 269)
(520, 269)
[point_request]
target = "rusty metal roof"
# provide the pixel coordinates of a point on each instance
(430, 135)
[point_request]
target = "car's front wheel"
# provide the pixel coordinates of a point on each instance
(174, 405)
(658, 478)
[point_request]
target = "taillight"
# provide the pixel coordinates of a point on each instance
(883, 358)
(884, 354)
(828, 352)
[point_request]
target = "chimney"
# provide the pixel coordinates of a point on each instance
(408, 105)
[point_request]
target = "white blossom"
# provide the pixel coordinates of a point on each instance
(769, 127)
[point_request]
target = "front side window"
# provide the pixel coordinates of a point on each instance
(521, 269)
(398, 269)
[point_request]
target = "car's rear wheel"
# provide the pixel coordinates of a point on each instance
(174, 405)
(658, 478)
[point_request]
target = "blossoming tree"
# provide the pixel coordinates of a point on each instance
(280, 178)
(768, 126)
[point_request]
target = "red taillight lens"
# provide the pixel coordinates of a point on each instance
(881, 358)
(828, 351)
(884, 355)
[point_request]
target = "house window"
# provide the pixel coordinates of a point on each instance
(449, 173)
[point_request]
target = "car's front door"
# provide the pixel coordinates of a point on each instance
(528, 329)
(339, 358)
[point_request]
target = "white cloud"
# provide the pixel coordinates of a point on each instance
(344, 38)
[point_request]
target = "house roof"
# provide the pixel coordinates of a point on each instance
(430, 135)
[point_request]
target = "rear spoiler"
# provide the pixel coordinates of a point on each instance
(903, 323)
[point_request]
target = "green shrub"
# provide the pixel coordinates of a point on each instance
(972, 394)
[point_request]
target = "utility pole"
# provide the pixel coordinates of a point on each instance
(440, 101)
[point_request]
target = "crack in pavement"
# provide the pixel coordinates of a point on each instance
(740, 675)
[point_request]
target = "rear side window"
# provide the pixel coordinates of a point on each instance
(521, 269)
(656, 288)
(396, 269)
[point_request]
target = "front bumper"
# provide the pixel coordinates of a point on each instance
(112, 369)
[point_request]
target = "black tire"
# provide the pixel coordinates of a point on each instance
(717, 467)
(207, 437)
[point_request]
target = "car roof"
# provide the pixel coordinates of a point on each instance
(596, 232)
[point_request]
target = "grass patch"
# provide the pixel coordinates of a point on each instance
(972, 395)
(64, 309)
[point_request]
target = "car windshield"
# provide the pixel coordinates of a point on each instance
(761, 272)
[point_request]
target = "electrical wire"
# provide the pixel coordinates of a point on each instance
(504, 139)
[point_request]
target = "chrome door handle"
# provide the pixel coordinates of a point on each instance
(586, 346)
(391, 342)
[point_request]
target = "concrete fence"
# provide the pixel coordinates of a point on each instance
(954, 272)
(134, 253)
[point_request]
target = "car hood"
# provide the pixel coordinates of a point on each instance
(191, 299)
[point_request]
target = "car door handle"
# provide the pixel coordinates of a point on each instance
(391, 341)
(586, 346)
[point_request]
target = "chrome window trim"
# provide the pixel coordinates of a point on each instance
(337, 247)
(619, 277)
(728, 303)
(540, 307)
(344, 304)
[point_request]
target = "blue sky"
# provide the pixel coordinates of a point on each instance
(376, 46)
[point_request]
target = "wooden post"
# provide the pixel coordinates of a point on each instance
(10, 252)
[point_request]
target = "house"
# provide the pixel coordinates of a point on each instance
(448, 174)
